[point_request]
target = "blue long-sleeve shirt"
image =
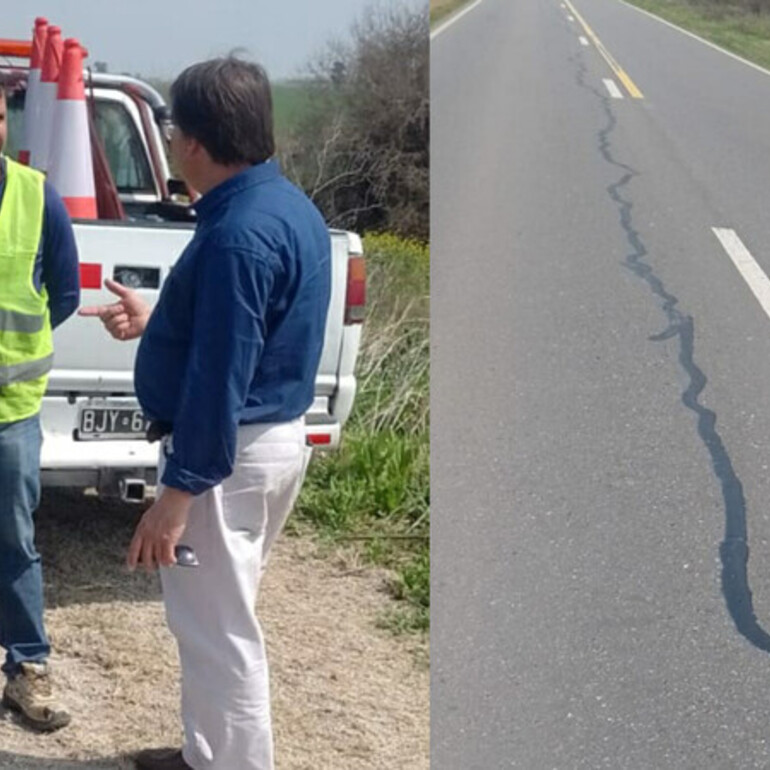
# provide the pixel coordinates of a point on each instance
(56, 264)
(237, 333)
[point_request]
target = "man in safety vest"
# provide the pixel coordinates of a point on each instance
(39, 288)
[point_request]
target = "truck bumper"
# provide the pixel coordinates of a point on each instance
(67, 462)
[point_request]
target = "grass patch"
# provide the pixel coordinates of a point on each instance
(375, 489)
(440, 9)
(412, 585)
(734, 28)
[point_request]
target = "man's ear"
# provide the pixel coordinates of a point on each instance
(195, 149)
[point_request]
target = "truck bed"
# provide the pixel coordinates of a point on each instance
(91, 385)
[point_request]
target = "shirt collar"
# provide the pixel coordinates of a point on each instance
(250, 177)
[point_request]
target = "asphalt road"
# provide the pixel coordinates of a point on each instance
(600, 395)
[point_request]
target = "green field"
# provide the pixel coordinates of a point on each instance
(733, 28)
(290, 101)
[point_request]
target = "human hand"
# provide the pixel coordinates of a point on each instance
(125, 319)
(159, 530)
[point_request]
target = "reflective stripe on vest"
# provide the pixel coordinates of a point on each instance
(11, 321)
(26, 340)
(31, 370)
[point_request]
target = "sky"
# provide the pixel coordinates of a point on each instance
(159, 38)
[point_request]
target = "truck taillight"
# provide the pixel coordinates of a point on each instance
(355, 298)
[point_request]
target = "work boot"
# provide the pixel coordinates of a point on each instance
(30, 694)
(161, 759)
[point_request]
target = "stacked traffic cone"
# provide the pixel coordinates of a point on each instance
(49, 77)
(70, 165)
(32, 99)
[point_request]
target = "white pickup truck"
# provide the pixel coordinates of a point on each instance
(94, 432)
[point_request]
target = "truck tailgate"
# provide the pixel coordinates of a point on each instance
(86, 358)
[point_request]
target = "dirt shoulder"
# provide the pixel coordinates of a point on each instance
(345, 694)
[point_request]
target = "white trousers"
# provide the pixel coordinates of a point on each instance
(210, 609)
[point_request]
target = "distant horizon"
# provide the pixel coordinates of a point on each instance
(170, 78)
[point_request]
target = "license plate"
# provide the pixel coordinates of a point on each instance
(104, 423)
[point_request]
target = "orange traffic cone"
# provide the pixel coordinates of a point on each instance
(70, 165)
(32, 99)
(49, 77)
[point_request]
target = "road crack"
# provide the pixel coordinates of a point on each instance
(680, 327)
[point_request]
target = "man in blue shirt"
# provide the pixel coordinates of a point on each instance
(226, 367)
(39, 289)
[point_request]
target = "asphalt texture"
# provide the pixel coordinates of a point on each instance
(600, 397)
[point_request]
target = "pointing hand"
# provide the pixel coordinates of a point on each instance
(124, 319)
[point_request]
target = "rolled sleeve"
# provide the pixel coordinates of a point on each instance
(232, 290)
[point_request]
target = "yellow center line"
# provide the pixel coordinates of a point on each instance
(633, 91)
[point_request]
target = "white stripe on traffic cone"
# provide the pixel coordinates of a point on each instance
(70, 165)
(32, 98)
(49, 77)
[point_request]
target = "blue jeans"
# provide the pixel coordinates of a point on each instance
(21, 578)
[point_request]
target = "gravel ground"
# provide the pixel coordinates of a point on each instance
(346, 695)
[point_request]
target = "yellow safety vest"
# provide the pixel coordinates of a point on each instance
(26, 340)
